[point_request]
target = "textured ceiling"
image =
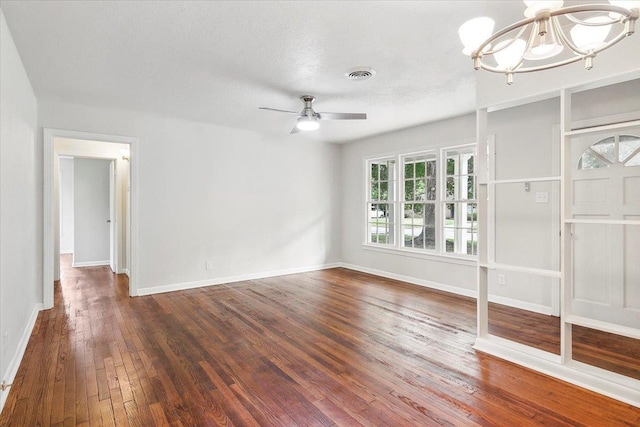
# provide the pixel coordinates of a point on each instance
(217, 62)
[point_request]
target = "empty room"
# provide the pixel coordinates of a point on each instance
(336, 213)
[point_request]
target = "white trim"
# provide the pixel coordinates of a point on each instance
(48, 250)
(14, 364)
(90, 263)
(66, 252)
(607, 383)
(413, 280)
(231, 279)
(523, 305)
(432, 256)
(602, 128)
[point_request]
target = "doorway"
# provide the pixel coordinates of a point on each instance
(121, 218)
(88, 213)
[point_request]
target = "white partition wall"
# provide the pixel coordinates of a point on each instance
(559, 214)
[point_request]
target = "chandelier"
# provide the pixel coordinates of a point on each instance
(550, 36)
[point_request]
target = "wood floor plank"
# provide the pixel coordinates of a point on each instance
(332, 348)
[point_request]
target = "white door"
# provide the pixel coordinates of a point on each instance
(606, 257)
(112, 215)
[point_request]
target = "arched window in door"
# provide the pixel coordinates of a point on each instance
(623, 149)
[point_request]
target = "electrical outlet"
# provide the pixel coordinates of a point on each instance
(502, 280)
(209, 265)
(542, 197)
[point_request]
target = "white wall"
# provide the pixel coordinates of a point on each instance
(91, 212)
(66, 205)
(20, 194)
(441, 271)
(251, 203)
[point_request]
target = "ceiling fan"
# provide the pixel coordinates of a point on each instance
(308, 119)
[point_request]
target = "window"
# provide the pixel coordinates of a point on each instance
(380, 203)
(460, 208)
(423, 202)
(623, 149)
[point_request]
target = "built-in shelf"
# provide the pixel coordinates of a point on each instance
(523, 180)
(603, 326)
(518, 269)
(602, 221)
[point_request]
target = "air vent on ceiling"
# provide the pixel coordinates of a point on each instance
(360, 73)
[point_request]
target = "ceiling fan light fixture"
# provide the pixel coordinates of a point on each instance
(307, 123)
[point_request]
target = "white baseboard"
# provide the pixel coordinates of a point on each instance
(523, 305)
(150, 290)
(536, 308)
(90, 263)
(125, 271)
(14, 364)
(413, 280)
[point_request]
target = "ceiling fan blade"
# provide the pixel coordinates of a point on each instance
(279, 111)
(295, 129)
(342, 116)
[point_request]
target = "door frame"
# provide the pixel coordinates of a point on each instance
(50, 135)
(114, 255)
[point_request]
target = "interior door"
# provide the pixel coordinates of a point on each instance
(112, 216)
(606, 185)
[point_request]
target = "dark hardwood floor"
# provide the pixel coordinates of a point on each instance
(333, 347)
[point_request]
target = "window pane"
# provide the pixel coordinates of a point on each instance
(384, 191)
(419, 190)
(374, 191)
(374, 171)
(451, 188)
(373, 234)
(451, 166)
(591, 161)
(606, 148)
(472, 243)
(449, 214)
(450, 240)
(384, 171)
(471, 188)
(635, 161)
(408, 169)
(408, 190)
(420, 169)
(431, 192)
(470, 166)
(472, 214)
(628, 144)
(431, 168)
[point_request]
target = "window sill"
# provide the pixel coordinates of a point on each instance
(451, 259)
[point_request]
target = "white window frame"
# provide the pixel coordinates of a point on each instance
(397, 247)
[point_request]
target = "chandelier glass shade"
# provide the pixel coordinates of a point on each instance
(550, 36)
